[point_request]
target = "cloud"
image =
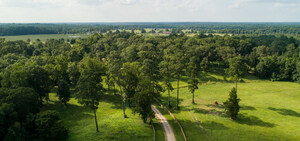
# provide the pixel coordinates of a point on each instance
(148, 10)
(275, 3)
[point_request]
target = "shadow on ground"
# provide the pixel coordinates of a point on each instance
(285, 112)
(248, 108)
(253, 121)
(209, 111)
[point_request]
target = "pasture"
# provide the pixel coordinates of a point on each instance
(269, 110)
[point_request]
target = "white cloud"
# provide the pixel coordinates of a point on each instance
(148, 10)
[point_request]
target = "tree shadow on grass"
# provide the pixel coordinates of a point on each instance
(116, 100)
(253, 121)
(204, 77)
(212, 125)
(209, 111)
(71, 114)
(285, 112)
(248, 108)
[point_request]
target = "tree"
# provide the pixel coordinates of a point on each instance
(49, 126)
(178, 66)
(7, 118)
(143, 31)
(89, 84)
(25, 101)
(147, 91)
(193, 85)
(237, 69)
(232, 105)
(129, 80)
(39, 80)
(192, 71)
(166, 73)
(63, 91)
(114, 65)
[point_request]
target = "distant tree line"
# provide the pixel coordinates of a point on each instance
(194, 27)
(132, 64)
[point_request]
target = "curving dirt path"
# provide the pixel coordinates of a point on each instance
(169, 133)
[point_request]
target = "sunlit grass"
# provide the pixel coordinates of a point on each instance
(269, 110)
(112, 125)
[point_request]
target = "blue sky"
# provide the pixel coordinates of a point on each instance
(41, 11)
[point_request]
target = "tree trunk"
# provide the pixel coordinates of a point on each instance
(108, 88)
(114, 89)
(123, 104)
(178, 93)
(236, 84)
(96, 120)
(193, 97)
(169, 98)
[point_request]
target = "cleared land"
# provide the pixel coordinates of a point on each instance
(269, 110)
(44, 37)
(112, 125)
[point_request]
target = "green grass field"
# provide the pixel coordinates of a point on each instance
(269, 110)
(44, 37)
(112, 125)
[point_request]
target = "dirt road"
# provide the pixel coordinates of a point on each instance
(169, 133)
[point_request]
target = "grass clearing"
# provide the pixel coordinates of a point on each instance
(112, 125)
(269, 110)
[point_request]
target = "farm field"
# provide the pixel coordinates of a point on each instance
(44, 37)
(269, 110)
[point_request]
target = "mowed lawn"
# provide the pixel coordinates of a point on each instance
(112, 125)
(269, 110)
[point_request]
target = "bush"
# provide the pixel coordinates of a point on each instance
(232, 105)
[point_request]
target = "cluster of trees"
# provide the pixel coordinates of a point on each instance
(202, 27)
(132, 63)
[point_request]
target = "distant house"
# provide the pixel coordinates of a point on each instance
(167, 32)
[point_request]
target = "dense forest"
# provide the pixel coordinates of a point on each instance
(134, 64)
(223, 28)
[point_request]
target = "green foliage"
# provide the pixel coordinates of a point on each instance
(49, 126)
(193, 85)
(143, 31)
(7, 118)
(237, 67)
(147, 91)
(232, 105)
(129, 80)
(89, 84)
(63, 91)
(20, 97)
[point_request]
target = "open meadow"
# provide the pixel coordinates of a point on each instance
(269, 110)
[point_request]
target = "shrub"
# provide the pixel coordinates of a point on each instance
(232, 105)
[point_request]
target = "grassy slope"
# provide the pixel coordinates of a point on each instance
(112, 125)
(270, 110)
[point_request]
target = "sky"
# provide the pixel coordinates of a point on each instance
(59, 11)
